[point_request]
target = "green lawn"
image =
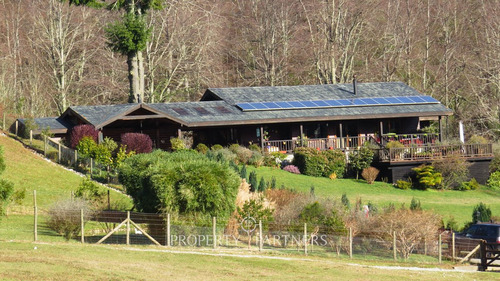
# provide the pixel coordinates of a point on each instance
(458, 204)
(21, 261)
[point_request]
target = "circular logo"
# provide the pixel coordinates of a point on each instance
(248, 224)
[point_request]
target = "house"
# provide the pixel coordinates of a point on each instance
(339, 116)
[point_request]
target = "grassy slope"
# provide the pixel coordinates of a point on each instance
(20, 261)
(458, 204)
(31, 172)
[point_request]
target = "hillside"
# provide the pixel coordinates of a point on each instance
(456, 204)
(30, 171)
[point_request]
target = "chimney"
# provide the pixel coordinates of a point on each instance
(354, 84)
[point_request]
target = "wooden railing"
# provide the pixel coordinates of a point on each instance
(320, 143)
(411, 139)
(435, 152)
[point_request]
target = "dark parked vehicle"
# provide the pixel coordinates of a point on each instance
(489, 232)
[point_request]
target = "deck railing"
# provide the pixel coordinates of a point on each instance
(412, 139)
(319, 143)
(433, 152)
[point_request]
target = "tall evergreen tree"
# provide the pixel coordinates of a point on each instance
(128, 36)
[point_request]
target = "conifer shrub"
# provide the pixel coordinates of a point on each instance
(201, 148)
(139, 143)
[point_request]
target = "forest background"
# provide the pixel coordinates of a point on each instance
(53, 55)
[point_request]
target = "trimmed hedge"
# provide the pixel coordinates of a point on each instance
(316, 163)
(182, 182)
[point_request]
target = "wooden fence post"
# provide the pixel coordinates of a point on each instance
(395, 253)
(214, 231)
(35, 230)
(440, 249)
(453, 246)
(31, 137)
(82, 226)
(168, 230)
(484, 261)
(91, 167)
(350, 242)
(128, 227)
(17, 127)
(45, 146)
(261, 241)
(305, 238)
(76, 157)
(59, 152)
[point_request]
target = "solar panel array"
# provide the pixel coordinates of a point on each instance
(308, 104)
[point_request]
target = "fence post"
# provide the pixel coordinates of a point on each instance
(305, 238)
(76, 157)
(59, 152)
(453, 246)
(82, 226)
(3, 122)
(35, 230)
(17, 127)
(214, 231)
(128, 227)
(484, 261)
(261, 241)
(440, 249)
(395, 253)
(168, 229)
(91, 166)
(45, 146)
(31, 137)
(350, 242)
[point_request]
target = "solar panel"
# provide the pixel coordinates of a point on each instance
(202, 111)
(365, 101)
(223, 109)
(180, 111)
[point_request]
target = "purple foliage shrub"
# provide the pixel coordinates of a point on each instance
(292, 169)
(81, 131)
(140, 143)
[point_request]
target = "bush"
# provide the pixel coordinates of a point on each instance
(80, 131)
(256, 160)
(394, 144)
(495, 163)
(86, 147)
(415, 205)
(222, 155)
(494, 180)
(481, 213)
(454, 170)
(336, 163)
(361, 159)
(475, 139)
(201, 148)
(402, 184)
(312, 214)
(243, 172)
(370, 174)
(252, 180)
(91, 192)
(234, 147)
(254, 147)
(182, 182)
(177, 144)
(243, 154)
(216, 147)
(469, 185)
(6, 192)
(309, 161)
(427, 177)
(139, 143)
(292, 169)
(65, 217)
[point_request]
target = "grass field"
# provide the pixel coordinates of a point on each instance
(457, 204)
(21, 261)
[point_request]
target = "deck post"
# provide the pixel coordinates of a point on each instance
(301, 135)
(261, 137)
(440, 129)
(341, 136)
(381, 125)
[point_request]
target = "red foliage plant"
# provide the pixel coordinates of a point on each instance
(140, 143)
(80, 131)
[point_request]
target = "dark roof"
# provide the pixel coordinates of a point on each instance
(218, 106)
(309, 92)
(55, 124)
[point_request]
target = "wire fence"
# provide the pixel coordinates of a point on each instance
(248, 234)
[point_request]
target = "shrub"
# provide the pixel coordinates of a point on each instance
(81, 131)
(139, 143)
(234, 147)
(495, 163)
(216, 147)
(6, 192)
(394, 144)
(402, 184)
(361, 159)
(309, 161)
(312, 213)
(201, 148)
(273, 182)
(223, 155)
(243, 154)
(255, 209)
(177, 144)
(292, 169)
(427, 177)
(370, 174)
(336, 163)
(415, 205)
(475, 139)
(256, 160)
(86, 147)
(469, 185)
(91, 192)
(481, 213)
(65, 217)
(243, 172)
(454, 170)
(252, 180)
(254, 147)
(262, 185)
(494, 180)
(182, 182)
(345, 201)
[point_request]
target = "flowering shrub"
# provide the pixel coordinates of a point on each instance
(81, 131)
(140, 143)
(292, 169)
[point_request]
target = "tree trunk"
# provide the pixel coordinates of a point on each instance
(133, 77)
